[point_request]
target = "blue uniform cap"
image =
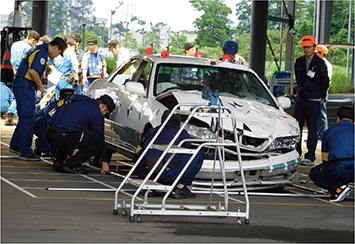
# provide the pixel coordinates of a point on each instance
(231, 47)
(346, 112)
(106, 99)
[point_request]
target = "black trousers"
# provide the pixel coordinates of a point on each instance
(88, 143)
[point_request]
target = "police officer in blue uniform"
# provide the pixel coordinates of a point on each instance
(178, 162)
(93, 65)
(26, 83)
(43, 148)
(79, 124)
(337, 169)
(68, 66)
(18, 50)
(313, 82)
(6, 98)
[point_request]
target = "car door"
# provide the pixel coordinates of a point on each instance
(132, 107)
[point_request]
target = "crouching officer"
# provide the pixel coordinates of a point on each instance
(179, 161)
(79, 124)
(43, 148)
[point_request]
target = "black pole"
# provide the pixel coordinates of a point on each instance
(83, 39)
(40, 16)
(258, 30)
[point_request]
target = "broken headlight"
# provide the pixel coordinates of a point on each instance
(284, 143)
(199, 132)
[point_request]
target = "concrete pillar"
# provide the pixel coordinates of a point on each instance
(258, 32)
(40, 17)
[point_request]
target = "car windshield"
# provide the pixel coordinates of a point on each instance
(229, 82)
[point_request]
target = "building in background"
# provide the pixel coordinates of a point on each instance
(4, 20)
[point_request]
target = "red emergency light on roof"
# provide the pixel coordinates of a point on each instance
(199, 55)
(226, 59)
(149, 51)
(165, 54)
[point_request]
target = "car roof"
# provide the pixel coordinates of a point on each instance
(179, 59)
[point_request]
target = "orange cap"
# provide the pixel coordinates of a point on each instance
(308, 41)
(321, 49)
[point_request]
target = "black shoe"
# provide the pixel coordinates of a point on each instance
(58, 166)
(46, 155)
(29, 158)
(75, 170)
(14, 151)
(37, 150)
(183, 193)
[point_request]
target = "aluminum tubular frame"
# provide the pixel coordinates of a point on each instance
(147, 184)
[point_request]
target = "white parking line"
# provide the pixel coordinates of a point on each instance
(17, 187)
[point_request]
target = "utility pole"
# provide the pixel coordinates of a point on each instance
(103, 34)
(112, 13)
(18, 18)
(349, 41)
(83, 42)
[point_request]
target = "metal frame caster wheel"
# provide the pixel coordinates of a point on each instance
(124, 213)
(140, 219)
(131, 218)
(240, 222)
(246, 221)
(115, 212)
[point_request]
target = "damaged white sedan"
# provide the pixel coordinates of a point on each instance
(145, 86)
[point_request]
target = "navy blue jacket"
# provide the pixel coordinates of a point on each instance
(338, 142)
(164, 138)
(80, 114)
(311, 88)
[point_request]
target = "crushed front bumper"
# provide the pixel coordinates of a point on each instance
(262, 173)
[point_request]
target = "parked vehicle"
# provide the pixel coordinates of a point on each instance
(145, 86)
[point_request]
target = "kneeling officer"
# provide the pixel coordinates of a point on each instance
(79, 124)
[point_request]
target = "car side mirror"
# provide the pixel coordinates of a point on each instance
(284, 102)
(135, 87)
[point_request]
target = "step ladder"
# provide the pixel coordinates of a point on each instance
(216, 113)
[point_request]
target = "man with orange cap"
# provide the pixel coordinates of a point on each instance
(322, 52)
(313, 82)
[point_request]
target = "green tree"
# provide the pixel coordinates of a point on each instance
(67, 16)
(157, 27)
(243, 45)
(57, 22)
(130, 42)
(214, 26)
(80, 12)
(243, 13)
(211, 52)
(141, 31)
(178, 41)
(153, 38)
(26, 14)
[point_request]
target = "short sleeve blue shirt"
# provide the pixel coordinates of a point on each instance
(35, 59)
(94, 63)
(18, 50)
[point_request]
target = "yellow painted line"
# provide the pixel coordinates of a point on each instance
(76, 198)
(206, 202)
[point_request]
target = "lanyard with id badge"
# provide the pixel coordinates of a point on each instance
(311, 73)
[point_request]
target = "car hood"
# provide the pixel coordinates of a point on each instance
(253, 118)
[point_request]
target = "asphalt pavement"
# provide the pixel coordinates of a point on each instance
(39, 205)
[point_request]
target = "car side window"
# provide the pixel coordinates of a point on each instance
(145, 75)
(127, 72)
